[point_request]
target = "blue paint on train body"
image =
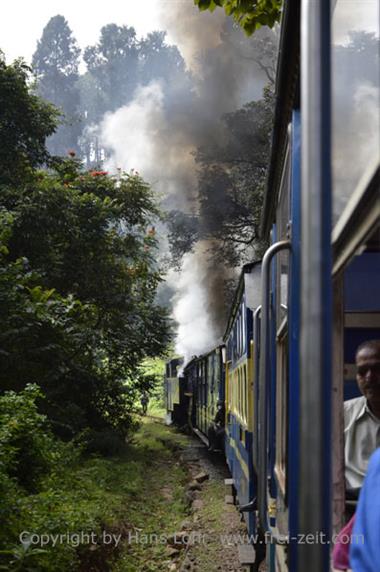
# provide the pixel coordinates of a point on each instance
(292, 495)
(239, 460)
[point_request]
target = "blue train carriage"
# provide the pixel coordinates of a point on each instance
(174, 390)
(240, 387)
(204, 377)
(320, 278)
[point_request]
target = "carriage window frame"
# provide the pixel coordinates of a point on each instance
(244, 333)
(283, 227)
(245, 394)
(282, 406)
(358, 220)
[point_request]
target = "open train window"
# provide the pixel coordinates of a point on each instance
(245, 394)
(244, 326)
(282, 398)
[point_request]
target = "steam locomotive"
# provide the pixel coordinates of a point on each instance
(287, 363)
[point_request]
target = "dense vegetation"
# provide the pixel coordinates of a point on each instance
(78, 280)
(63, 511)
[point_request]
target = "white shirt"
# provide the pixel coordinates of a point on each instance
(361, 438)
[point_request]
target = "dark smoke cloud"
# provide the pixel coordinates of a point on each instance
(159, 132)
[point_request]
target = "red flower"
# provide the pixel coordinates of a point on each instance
(98, 173)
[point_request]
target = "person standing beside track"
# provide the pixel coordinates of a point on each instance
(144, 402)
(216, 429)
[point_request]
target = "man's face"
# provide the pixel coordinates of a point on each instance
(368, 374)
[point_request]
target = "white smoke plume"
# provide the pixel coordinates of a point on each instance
(196, 334)
(139, 137)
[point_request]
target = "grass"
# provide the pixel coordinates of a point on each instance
(156, 409)
(140, 492)
(218, 521)
(159, 507)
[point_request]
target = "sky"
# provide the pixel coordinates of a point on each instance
(22, 21)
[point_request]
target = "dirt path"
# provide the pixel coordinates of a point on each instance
(176, 518)
(213, 527)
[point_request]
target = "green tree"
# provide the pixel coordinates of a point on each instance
(117, 65)
(25, 122)
(78, 280)
(78, 291)
(55, 63)
(109, 83)
(158, 60)
(249, 14)
(113, 63)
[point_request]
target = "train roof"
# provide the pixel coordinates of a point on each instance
(287, 98)
(194, 359)
(176, 360)
(250, 282)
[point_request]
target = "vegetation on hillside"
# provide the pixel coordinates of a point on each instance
(78, 279)
(63, 511)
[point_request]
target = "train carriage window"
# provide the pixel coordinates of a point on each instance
(237, 338)
(245, 394)
(241, 330)
(282, 275)
(244, 326)
(355, 97)
(242, 394)
(229, 386)
(205, 383)
(282, 399)
(233, 382)
(282, 259)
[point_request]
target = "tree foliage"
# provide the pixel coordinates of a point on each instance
(113, 63)
(78, 284)
(78, 279)
(25, 122)
(116, 66)
(55, 63)
(249, 14)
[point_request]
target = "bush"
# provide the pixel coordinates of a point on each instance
(28, 450)
(104, 442)
(30, 456)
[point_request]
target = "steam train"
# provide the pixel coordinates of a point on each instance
(287, 363)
